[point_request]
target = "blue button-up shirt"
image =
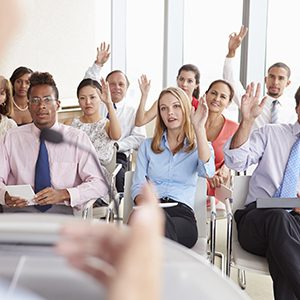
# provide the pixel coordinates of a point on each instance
(173, 176)
(270, 147)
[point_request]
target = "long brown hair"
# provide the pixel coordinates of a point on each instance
(187, 127)
(7, 107)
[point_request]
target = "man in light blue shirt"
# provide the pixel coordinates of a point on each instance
(273, 233)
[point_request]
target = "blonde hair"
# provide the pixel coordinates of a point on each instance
(7, 107)
(187, 128)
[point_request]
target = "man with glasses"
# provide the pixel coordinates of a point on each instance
(62, 175)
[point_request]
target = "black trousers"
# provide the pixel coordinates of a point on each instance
(181, 225)
(274, 234)
(123, 160)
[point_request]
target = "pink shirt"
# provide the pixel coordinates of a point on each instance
(70, 167)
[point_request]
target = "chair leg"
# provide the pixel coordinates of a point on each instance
(242, 278)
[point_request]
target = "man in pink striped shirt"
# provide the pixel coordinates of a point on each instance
(75, 176)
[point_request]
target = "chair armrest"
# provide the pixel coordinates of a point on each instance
(213, 223)
(87, 209)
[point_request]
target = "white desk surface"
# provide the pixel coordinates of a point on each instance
(186, 275)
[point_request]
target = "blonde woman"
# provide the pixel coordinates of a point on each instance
(172, 160)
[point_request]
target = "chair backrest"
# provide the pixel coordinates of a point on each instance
(199, 202)
(127, 200)
(110, 167)
(240, 191)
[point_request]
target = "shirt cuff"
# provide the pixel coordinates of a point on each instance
(74, 197)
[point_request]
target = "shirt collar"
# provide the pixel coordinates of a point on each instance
(296, 129)
(37, 132)
(165, 139)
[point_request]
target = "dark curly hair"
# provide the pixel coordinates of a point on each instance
(40, 78)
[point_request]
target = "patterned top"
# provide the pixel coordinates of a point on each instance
(96, 131)
(5, 124)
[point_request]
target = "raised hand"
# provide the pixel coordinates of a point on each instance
(102, 54)
(235, 40)
(251, 107)
(199, 116)
(144, 84)
(105, 93)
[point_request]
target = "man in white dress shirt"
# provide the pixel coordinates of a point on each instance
(276, 80)
(131, 136)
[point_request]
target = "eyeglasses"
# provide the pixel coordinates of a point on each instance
(37, 100)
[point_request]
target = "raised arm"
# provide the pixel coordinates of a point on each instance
(102, 57)
(235, 40)
(143, 117)
(250, 110)
(198, 119)
(113, 127)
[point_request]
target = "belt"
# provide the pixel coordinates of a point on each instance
(180, 204)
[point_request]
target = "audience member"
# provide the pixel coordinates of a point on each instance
(172, 160)
(273, 233)
(6, 106)
(188, 79)
(102, 132)
(219, 129)
(131, 136)
(278, 107)
(119, 252)
(20, 84)
(60, 174)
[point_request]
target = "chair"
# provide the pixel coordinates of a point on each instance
(236, 256)
(200, 212)
(98, 209)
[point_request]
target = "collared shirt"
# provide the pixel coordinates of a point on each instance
(174, 176)
(70, 167)
(286, 106)
(131, 136)
(270, 147)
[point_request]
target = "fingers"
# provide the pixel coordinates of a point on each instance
(243, 32)
(16, 202)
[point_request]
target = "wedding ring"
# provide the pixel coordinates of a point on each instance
(14, 205)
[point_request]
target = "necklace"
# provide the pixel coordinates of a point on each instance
(18, 107)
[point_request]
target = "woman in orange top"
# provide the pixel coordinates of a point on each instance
(219, 129)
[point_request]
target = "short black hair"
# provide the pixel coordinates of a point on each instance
(40, 78)
(283, 66)
(297, 97)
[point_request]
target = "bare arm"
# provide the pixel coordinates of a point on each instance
(235, 41)
(198, 119)
(250, 110)
(143, 117)
(113, 128)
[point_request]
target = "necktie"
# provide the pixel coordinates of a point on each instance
(275, 112)
(115, 107)
(42, 173)
(288, 187)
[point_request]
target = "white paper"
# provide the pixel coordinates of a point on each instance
(23, 191)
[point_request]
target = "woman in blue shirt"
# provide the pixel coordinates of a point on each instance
(172, 160)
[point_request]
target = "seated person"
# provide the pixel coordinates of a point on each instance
(188, 79)
(120, 273)
(20, 84)
(6, 106)
(102, 132)
(173, 159)
(131, 136)
(272, 233)
(219, 129)
(62, 175)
